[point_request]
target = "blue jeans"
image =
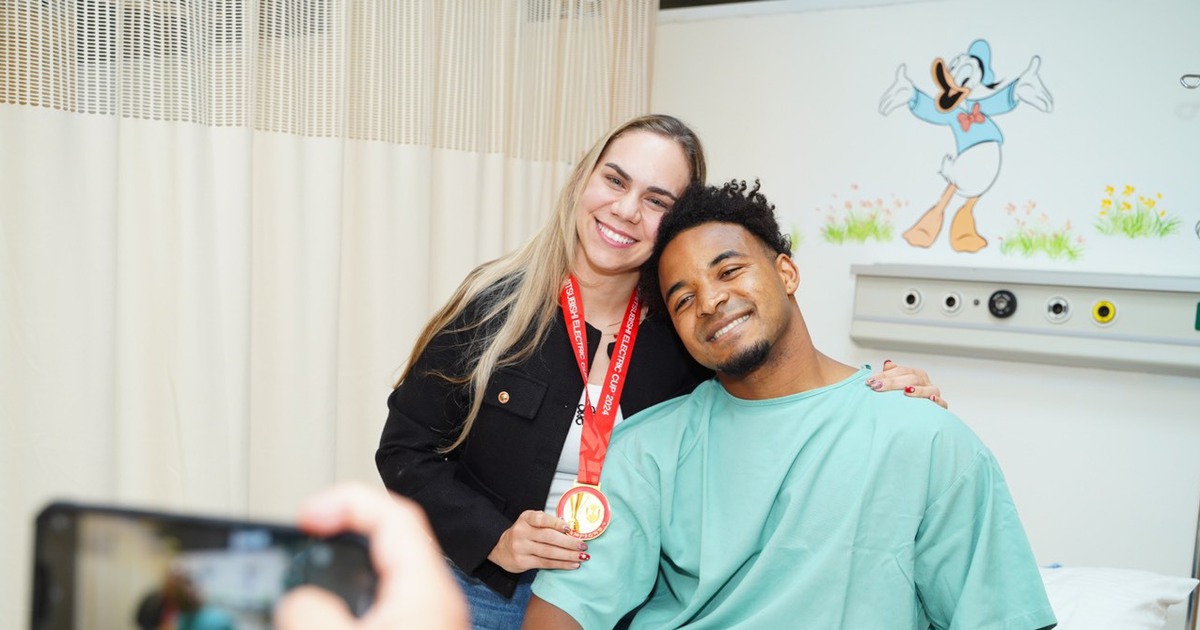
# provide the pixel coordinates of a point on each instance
(491, 610)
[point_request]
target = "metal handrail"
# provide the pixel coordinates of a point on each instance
(1194, 600)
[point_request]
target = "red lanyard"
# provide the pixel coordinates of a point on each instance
(598, 423)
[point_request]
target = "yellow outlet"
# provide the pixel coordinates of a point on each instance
(1104, 312)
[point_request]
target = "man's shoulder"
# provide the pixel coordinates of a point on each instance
(919, 419)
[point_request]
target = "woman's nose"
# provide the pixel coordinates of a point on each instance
(627, 209)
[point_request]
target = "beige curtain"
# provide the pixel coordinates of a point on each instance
(222, 223)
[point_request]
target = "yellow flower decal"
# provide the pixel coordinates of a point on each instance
(1139, 215)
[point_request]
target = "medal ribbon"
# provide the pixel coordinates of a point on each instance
(598, 423)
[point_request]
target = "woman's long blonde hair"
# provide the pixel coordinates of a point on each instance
(521, 289)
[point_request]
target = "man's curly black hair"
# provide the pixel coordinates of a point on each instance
(735, 203)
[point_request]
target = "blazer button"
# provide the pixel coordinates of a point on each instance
(503, 398)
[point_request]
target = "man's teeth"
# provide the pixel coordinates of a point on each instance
(620, 238)
(730, 326)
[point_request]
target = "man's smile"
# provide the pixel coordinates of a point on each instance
(723, 330)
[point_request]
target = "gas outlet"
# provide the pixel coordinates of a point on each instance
(1058, 309)
(1104, 312)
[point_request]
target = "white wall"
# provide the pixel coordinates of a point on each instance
(1104, 465)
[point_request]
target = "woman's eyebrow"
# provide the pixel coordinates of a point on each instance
(660, 191)
(620, 171)
(654, 189)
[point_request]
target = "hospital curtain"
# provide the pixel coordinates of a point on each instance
(223, 222)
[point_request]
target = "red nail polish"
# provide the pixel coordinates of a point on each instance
(910, 389)
(933, 397)
(584, 556)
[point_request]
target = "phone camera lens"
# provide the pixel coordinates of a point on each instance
(320, 555)
(1002, 304)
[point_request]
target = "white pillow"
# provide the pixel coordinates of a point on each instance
(1086, 598)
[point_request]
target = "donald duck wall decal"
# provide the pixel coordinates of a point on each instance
(967, 98)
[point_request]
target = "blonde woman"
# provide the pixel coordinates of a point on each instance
(484, 426)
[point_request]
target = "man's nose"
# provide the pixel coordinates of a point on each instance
(711, 300)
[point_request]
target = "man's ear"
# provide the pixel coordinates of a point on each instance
(788, 272)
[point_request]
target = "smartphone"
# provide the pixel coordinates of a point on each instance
(106, 566)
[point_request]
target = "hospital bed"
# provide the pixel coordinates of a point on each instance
(1090, 598)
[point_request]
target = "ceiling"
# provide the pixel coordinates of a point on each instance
(679, 4)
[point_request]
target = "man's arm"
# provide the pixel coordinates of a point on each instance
(542, 615)
(974, 567)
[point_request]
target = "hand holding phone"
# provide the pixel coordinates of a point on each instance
(105, 566)
(415, 588)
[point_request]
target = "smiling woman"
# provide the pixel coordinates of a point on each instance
(483, 430)
(639, 178)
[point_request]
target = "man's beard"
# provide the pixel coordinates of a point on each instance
(747, 360)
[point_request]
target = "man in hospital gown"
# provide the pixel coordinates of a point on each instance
(783, 493)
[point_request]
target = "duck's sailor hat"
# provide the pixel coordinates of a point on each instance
(983, 52)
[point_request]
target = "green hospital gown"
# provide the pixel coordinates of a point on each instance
(833, 508)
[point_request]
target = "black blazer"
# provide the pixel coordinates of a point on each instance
(475, 493)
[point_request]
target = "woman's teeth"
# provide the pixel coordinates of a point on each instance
(614, 236)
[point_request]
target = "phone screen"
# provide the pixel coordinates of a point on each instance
(107, 567)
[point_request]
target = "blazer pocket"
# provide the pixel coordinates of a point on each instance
(464, 475)
(516, 393)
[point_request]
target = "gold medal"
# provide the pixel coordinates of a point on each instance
(586, 511)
